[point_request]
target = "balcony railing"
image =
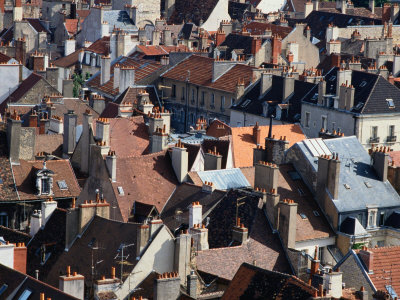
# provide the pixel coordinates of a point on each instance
(374, 139)
(391, 138)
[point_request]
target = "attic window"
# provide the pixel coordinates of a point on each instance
(316, 213)
(346, 186)
(363, 83)
(120, 191)
(25, 295)
(390, 103)
(303, 216)
(62, 185)
(245, 103)
(367, 184)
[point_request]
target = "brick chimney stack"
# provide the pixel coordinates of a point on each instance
(219, 37)
(266, 176)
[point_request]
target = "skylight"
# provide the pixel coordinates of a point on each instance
(346, 186)
(390, 103)
(359, 105)
(3, 288)
(245, 103)
(25, 295)
(363, 83)
(316, 213)
(351, 19)
(121, 191)
(303, 216)
(62, 185)
(332, 78)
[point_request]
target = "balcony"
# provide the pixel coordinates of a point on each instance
(374, 139)
(391, 138)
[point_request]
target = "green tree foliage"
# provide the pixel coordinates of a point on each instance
(78, 82)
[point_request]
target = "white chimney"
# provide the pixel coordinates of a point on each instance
(126, 78)
(105, 69)
(6, 253)
(36, 222)
(56, 125)
(111, 162)
(72, 284)
(69, 47)
(195, 214)
(48, 207)
(103, 130)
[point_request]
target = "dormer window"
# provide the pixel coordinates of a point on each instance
(390, 103)
(44, 181)
(372, 213)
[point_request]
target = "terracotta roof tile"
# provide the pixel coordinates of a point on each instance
(67, 61)
(82, 13)
(200, 69)
(101, 46)
(257, 28)
(24, 175)
(49, 143)
(148, 179)
(4, 58)
(71, 25)
(161, 50)
(243, 143)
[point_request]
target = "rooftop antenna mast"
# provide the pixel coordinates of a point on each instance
(122, 262)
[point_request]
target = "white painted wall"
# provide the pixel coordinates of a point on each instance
(219, 13)
(7, 255)
(268, 6)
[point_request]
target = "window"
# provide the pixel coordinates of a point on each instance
(380, 243)
(222, 103)
(193, 96)
(3, 288)
(390, 103)
(203, 98)
(173, 92)
(45, 186)
(232, 101)
(212, 104)
(307, 122)
(62, 185)
(4, 219)
(182, 116)
(374, 133)
(391, 130)
(333, 126)
(239, 124)
(25, 295)
(382, 218)
(372, 217)
(183, 93)
(323, 122)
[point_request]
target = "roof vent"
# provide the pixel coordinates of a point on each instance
(346, 186)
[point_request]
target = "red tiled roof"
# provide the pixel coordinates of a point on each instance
(148, 179)
(82, 13)
(385, 260)
(200, 69)
(161, 50)
(49, 143)
(243, 142)
(4, 58)
(257, 28)
(101, 46)
(25, 174)
(71, 25)
(143, 69)
(37, 25)
(67, 61)
(395, 155)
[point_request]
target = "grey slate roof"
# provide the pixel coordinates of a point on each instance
(371, 92)
(355, 170)
(225, 179)
(119, 19)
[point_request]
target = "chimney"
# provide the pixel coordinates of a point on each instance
(367, 256)
(266, 176)
(219, 37)
(155, 121)
(255, 45)
(182, 254)
(35, 222)
(192, 284)
(239, 233)
(69, 46)
(155, 37)
(48, 207)
(333, 176)
(17, 11)
(258, 154)
(265, 82)
(88, 210)
(146, 107)
(14, 137)
(164, 60)
(154, 225)
(276, 149)
(394, 12)
(314, 263)
(106, 284)
(288, 87)
(111, 162)
(362, 294)
(287, 222)
(159, 140)
(103, 131)
(68, 88)
(335, 60)
(380, 159)
(20, 257)
(142, 237)
(53, 76)
(257, 134)
(212, 160)
(341, 5)
(105, 69)
(386, 12)
(333, 284)
(2, 2)
(220, 67)
(271, 204)
(7, 254)
(117, 71)
(69, 140)
(166, 116)
(200, 237)
(98, 103)
(33, 119)
(308, 30)
(308, 8)
(126, 78)
(180, 161)
(72, 284)
(56, 125)
(195, 214)
(350, 91)
(85, 141)
(167, 286)
(240, 87)
(321, 91)
(20, 52)
(371, 5)
(343, 77)
(167, 37)
(333, 46)
(208, 187)
(276, 49)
